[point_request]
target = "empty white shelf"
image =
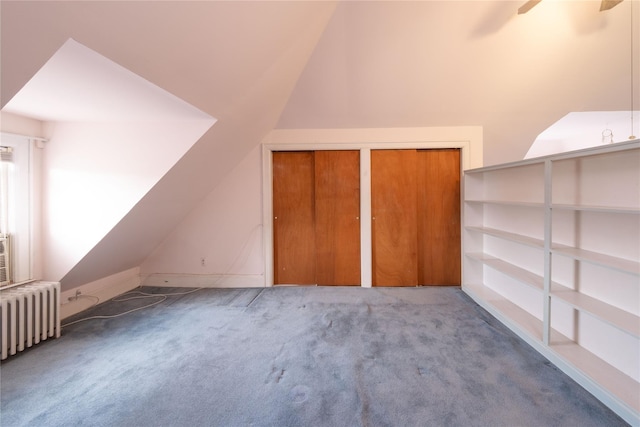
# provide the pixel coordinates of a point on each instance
(514, 237)
(622, 386)
(593, 208)
(509, 203)
(506, 311)
(617, 317)
(620, 264)
(520, 274)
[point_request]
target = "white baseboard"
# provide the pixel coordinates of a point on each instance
(98, 291)
(205, 280)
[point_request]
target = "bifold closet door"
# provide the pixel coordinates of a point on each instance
(294, 243)
(316, 225)
(439, 217)
(394, 222)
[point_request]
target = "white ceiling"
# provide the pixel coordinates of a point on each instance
(78, 84)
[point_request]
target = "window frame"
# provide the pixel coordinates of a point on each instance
(24, 219)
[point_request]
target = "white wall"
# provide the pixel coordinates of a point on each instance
(226, 228)
(232, 60)
(454, 63)
(13, 123)
(94, 173)
(402, 136)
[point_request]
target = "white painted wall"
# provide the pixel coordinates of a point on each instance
(436, 63)
(112, 136)
(235, 61)
(94, 173)
(227, 228)
(402, 136)
(20, 125)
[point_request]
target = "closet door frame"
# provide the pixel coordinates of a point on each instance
(366, 263)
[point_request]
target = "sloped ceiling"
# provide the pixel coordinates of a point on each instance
(78, 85)
(236, 61)
(448, 63)
(112, 136)
(376, 64)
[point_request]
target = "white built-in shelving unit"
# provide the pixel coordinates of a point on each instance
(552, 250)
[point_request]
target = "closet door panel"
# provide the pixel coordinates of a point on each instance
(394, 223)
(337, 189)
(294, 218)
(439, 218)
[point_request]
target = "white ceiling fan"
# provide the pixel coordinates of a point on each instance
(604, 5)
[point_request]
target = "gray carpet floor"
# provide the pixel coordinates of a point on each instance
(293, 356)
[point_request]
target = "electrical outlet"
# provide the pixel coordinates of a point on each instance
(202, 262)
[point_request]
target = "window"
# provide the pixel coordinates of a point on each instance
(584, 129)
(17, 208)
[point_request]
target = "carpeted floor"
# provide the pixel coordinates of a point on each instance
(293, 356)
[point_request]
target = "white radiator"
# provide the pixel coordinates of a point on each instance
(30, 314)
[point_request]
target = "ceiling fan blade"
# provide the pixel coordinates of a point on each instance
(608, 4)
(528, 5)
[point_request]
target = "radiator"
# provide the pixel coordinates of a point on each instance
(30, 314)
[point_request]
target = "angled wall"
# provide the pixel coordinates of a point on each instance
(94, 173)
(457, 63)
(236, 61)
(111, 136)
(220, 242)
(224, 241)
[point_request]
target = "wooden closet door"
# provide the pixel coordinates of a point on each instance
(337, 190)
(294, 223)
(394, 223)
(439, 217)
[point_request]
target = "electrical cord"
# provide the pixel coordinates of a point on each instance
(145, 295)
(89, 296)
(142, 295)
